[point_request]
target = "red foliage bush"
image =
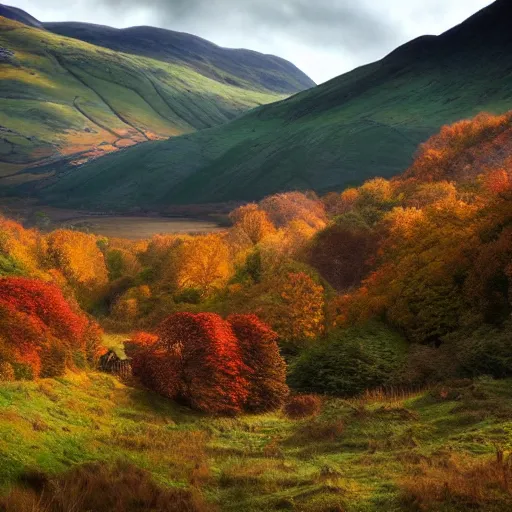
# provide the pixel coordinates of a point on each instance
(302, 406)
(45, 304)
(210, 360)
(157, 368)
(264, 368)
(42, 334)
(139, 342)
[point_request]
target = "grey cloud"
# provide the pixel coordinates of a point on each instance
(322, 37)
(352, 25)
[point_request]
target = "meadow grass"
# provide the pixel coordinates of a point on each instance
(371, 454)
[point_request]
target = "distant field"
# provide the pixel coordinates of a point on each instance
(137, 228)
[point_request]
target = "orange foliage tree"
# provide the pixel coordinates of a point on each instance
(338, 204)
(264, 368)
(294, 206)
(465, 149)
(22, 251)
(294, 307)
(422, 264)
(79, 258)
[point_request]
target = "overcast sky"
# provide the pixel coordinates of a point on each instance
(324, 38)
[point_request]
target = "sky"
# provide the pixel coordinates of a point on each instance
(324, 38)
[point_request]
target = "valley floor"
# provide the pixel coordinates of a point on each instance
(434, 450)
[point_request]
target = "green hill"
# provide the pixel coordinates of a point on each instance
(64, 101)
(244, 68)
(368, 122)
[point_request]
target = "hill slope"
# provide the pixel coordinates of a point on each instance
(61, 97)
(244, 68)
(365, 123)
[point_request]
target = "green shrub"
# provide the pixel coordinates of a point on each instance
(10, 267)
(350, 361)
(23, 371)
(188, 296)
(487, 351)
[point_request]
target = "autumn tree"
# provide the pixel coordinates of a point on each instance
(198, 360)
(343, 253)
(427, 194)
(204, 263)
(286, 244)
(253, 221)
(338, 204)
(294, 307)
(79, 258)
(488, 286)
(463, 150)
(41, 330)
(294, 206)
(22, 251)
(264, 368)
(498, 181)
(423, 262)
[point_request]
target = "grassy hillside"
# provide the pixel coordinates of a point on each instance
(61, 98)
(368, 122)
(395, 454)
(244, 68)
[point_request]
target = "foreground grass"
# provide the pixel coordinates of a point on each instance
(373, 454)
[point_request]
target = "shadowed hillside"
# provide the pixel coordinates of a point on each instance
(368, 122)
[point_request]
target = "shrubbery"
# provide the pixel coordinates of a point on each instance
(487, 351)
(350, 361)
(41, 333)
(264, 368)
(303, 406)
(214, 365)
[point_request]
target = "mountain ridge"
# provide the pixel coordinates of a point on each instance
(270, 72)
(172, 46)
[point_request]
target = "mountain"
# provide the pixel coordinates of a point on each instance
(365, 123)
(243, 68)
(64, 101)
(16, 14)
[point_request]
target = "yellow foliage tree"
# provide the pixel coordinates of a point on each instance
(253, 221)
(204, 263)
(80, 260)
(296, 308)
(23, 250)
